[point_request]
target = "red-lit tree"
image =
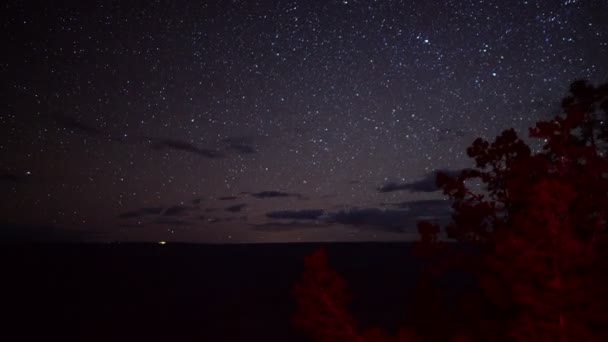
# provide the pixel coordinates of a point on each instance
(322, 297)
(540, 225)
(539, 228)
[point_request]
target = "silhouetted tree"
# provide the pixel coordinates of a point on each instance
(540, 226)
(538, 233)
(593, 102)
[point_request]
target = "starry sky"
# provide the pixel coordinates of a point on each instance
(268, 121)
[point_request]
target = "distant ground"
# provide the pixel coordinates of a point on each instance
(182, 292)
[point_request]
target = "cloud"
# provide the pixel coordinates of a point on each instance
(130, 214)
(269, 194)
(130, 225)
(141, 212)
(273, 194)
(392, 186)
(402, 219)
(394, 220)
(423, 207)
(209, 219)
(177, 210)
(287, 226)
(160, 212)
(241, 145)
(235, 208)
(151, 210)
(232, 219)
(426, 184)
(154, 143)
(179, 145)
(242, 148)
(172, 222)
(308, 214)
(227, 198)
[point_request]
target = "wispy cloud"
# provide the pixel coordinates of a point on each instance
(141, 212)
(235, 208)
(426, 184)
(179, 145)
(241, 145)
(287, 226)
(307, 214)
(227, 198)
(177, 210)
(174, 222)
(274, 194)
(394, 220)
(154, 143)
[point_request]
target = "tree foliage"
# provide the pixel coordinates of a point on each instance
(540, 228)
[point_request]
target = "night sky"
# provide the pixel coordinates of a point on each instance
(274, 121)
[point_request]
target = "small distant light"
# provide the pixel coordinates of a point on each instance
(162, 242)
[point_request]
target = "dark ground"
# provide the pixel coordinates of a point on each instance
(182, 292)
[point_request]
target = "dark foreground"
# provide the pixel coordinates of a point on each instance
(180, 292)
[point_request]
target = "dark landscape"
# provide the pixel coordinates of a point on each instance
(189, 292)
